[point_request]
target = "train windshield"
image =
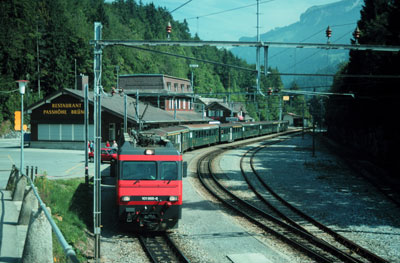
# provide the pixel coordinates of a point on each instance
(168, 171)
(139, 171)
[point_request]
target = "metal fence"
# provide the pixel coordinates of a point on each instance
(14, 176)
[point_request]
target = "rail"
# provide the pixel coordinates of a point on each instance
(68, 250)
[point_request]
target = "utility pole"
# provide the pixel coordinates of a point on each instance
(37, 56)
(258, 48)
(76, 81)
(191, 66)
(22, 84)
(97, 121)
(117, 68)
(86, 123)
(137, 109)
(125, 113)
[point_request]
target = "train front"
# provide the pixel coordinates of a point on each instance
(149, 186)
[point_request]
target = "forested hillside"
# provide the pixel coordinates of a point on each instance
(48, 40)
(368, 121)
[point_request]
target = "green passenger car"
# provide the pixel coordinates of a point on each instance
(230, 132)
(178, 135)
(202, 134)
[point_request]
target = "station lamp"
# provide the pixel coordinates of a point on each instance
(22, 84)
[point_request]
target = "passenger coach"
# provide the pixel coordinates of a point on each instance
(185, 137)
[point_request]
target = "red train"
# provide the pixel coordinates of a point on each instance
(149, 173)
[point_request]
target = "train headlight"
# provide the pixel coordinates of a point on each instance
(149, 152)
(173, 198)
(125, 198)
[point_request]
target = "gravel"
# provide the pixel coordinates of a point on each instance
(327, 190)
(321, 186)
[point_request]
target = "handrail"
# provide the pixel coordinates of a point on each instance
(68, 250)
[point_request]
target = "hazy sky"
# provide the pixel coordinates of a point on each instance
(231, 25)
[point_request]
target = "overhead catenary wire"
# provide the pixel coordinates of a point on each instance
(255, 71)
(228, 10)
(180, 6)
(316, 52)
(311, 36)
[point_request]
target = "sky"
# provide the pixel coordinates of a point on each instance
(231, 25)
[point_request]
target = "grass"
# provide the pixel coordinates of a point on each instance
(70, 202)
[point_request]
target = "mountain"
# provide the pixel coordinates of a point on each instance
(342, 18)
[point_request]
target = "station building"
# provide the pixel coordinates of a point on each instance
(57, 121)
(295, 120)
(227, 111)
(162, 91)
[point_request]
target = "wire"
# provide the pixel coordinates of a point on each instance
(8, 91)
(195, 59)
(310, 36)
(228, 10)
(180, 6)
(315, 53)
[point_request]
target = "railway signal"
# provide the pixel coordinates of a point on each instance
(328, 33)
(169, 29)
(356, 35)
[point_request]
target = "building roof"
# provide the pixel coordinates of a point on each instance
(236, 106)
(293, 115)
(115, 105)
(152, 75)
(208, 101)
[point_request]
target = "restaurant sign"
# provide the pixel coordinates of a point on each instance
(64, 109)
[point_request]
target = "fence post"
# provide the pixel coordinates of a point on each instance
(19, 190)
(32, 176)
(38, 245)
(30, 203)
(12, 178)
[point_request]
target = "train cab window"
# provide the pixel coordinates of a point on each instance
(139, 171)
(168, 171)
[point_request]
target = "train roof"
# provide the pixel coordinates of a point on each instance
(173, 129)
(201, 126)
(231, 124)
(138, 144)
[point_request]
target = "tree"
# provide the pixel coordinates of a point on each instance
(367, 120)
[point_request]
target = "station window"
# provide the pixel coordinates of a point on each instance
(169, 86)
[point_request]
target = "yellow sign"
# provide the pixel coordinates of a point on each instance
(64, 109)
(286, 98)
(17, 121)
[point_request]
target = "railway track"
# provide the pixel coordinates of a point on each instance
(314, 247)
(161, 248)
(292, 215)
